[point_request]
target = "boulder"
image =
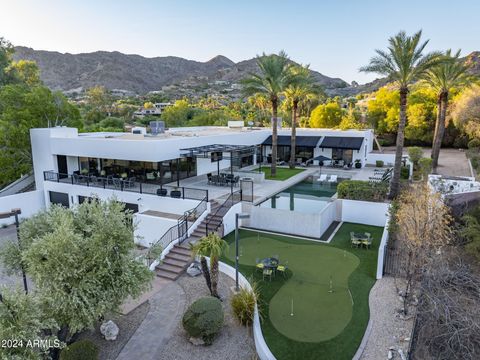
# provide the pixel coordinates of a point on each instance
(194, 269)
(109, 330)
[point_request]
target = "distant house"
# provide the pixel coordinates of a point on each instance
(155, 111)
(122, 93)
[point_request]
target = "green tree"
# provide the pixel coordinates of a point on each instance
(21, 109)
(449, 74)
(22, 319)
(327, 115)
(6, 52)
(81, 261)
(212, 246)
(179, 114)
(25, 71)
(404, 63)
(466, 111)
(273, 78)
(301, 88)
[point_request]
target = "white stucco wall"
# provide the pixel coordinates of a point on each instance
(29, 202)
(150, 228)
(229, 219)
(364, 212)
(144, 201)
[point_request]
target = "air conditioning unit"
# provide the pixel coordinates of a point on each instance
(157, 127)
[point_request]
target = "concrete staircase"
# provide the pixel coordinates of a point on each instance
(180, 256)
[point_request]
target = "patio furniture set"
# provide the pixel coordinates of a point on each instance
(223, 179)
(361, 239)
(269, 267)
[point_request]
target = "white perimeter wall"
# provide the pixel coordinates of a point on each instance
(229, 218)
(388, 159)
(364, 212)
(29, 202)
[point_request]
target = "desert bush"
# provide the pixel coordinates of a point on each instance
(362, 190)
(204, 319)
(474, 144)
(404, 172)
(243, 304)
(80, 350)
(425, 165)
(379, 163)
(415, 153)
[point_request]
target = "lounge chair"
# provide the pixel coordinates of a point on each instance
(354, 240)
(322, 177)
(367, 242)
(333, 178)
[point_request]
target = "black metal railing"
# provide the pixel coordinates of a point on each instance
(180, 230)
(212, 226)
(129, 185)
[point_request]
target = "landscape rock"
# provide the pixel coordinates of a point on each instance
(109, 330)
(194, 269)
(196, 341)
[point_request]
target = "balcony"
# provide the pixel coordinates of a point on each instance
(128, 185)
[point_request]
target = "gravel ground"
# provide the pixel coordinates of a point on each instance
(388, 331)
(127, 325)
(234, 342)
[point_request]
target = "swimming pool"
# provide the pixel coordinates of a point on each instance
(309, 196)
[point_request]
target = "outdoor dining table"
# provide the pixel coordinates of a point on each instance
(361, 236)
(270, 263)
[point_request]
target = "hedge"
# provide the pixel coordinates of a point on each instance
(362, 190)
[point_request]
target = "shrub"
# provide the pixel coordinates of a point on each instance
(243, 304)
(379, 163)
(415, 153)
(204, 319)
(474, 144)
(362, 190)
(80, 350)
(425, 165)
(404, 172)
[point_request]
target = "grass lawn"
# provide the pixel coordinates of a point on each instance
(282, 173)
(326, 325)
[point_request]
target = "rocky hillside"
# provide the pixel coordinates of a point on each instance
(136, 73)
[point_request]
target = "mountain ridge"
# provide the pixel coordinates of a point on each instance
(132, 72)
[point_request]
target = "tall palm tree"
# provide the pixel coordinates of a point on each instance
(450, 73)
(404, 62)
(271, 81)
(301, 88)
(212, 246)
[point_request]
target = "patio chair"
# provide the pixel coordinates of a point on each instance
(268, 273)
(130, 182)
(282, 269)
(367, 242)
(276, 257)
(322, 177)
(209, 178)
(236, 180)
(258, 264)
(354, 240)
(333, 178)
(117, 183)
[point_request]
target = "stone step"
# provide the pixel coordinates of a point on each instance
(170, 268)
(167, 275)
(179, 257)
(181, 250)
(174, 262)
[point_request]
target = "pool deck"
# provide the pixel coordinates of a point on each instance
(267, 188)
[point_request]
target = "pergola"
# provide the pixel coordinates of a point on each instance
(217, 152)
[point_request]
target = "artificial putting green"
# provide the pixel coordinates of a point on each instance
(282, 173)
(340, 347)
(319, 313)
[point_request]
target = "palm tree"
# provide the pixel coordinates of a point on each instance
(403, 63)
(300, 89)
(212, 246)
(450, 73)
(271, 81)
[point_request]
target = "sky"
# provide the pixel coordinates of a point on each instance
(336, 37)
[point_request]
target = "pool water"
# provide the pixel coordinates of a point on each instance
(307, 196)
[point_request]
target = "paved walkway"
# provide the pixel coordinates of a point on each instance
(166, 311)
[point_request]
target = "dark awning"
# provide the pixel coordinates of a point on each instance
(321, 158)
(339, 142)
(285, 140)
